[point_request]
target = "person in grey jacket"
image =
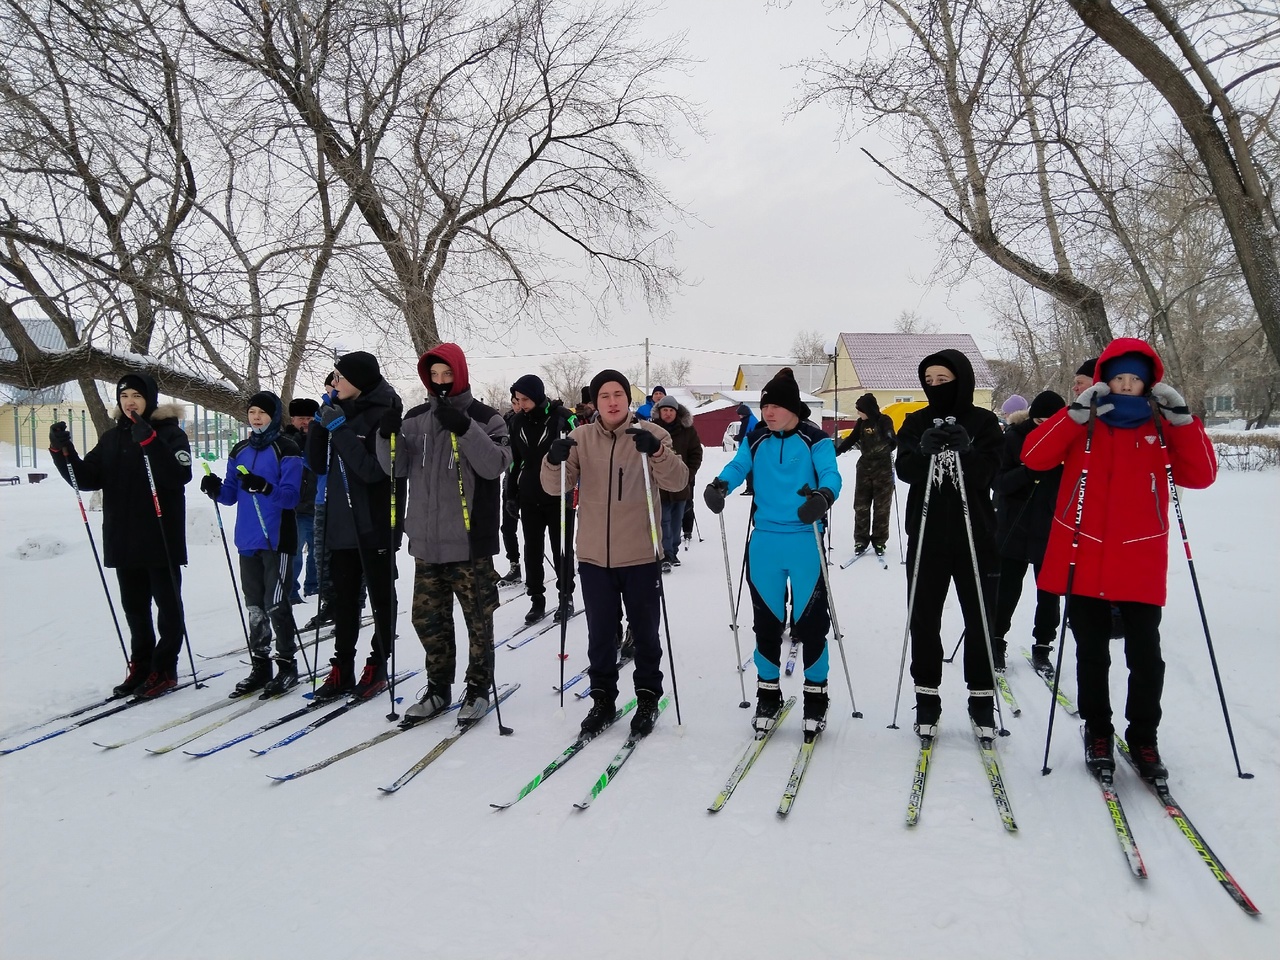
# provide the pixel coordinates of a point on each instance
(454, 450)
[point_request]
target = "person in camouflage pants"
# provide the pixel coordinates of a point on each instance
(476, 587)
(873, 492)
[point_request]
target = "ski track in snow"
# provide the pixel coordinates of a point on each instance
(170, 856)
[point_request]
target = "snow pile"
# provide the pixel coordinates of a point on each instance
(40, 548)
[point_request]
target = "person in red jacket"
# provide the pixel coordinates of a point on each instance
(1123, 552)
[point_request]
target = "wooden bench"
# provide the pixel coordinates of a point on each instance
(11, 481)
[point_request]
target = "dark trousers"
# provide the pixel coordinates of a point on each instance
(139, 586)
(346, 571)
(510, 541)
(1012, 573)
(263, 578)
(536, 521)
(872, 501)
(672, 518)
(941, 564)
(321, 551)
(1090, 620)
(605, 591)
(686, 522)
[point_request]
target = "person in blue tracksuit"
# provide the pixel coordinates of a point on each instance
(265, 495)
(793, 464)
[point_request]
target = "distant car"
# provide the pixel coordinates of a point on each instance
(729, 442)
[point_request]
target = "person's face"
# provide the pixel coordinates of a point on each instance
(258, 418)
(520, 403)
(862, 415)
(1080, 384)
(1127, 385)
(667, 414)
(132, 402)
(659, 395)
(441, 378)
(937, 374)
(778, 419)
(344, 388)
(301, 423)
(613, 403)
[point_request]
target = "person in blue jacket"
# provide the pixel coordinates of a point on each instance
(265, 494)
(796, 482)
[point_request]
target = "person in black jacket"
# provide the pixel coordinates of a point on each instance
(537, 423)
(147, 553)
(973, 441)
(1025, 500)
(874, 437)
(358, 532)
(302, 412)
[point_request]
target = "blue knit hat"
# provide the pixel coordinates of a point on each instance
(1134, 363)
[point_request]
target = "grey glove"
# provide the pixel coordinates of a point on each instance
(1079, 409)
(1172, 406)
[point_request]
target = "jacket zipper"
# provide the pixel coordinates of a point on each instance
(608, 506)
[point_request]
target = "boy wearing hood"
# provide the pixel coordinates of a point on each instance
(537, 424)
(608, 461)
(796, 484)
(1123, 554)
(454, 450)
(670, 414)
(358, 532)
(265, 494)
(133, 540)
(973, 441)
(873, 435)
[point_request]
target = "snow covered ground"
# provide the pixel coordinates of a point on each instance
(124, 854)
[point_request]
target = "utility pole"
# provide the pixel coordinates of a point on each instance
(646, 365)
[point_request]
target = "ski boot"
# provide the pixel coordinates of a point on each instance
(259, 676)
(982, 711)
(816, 702)
(286, 678)
(599, 716)
(768, 706)
(646, 714)
(928, 711)
(433, 702)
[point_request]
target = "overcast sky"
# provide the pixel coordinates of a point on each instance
(797, 230)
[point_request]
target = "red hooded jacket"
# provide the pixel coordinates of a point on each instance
(451, 354)
(1124, 527)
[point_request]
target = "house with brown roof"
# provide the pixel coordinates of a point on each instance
(886, 365)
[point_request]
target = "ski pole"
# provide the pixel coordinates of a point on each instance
(391, 564)
(168, 559)
(75, 485)
(733, 613)
(1045, 769)
(279, 597)
(1195, 583)
(977, 583)
(662, 593)
(698, 527)
(952, 658)
(831, 608)
(217, 512)
(911, 592)
(562, 576)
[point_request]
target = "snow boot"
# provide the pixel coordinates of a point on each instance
(474, 705)
(928, 711)
(286, 678)
(323, 617)
(599, 716)
(646, 714)
(157, 684)
(816, 702)
(879, 549)
(564, 611)
(1146, 756)
(537, 610)
(1097, 751)
(1040, 661)
(859, 549)
(511, 577)
(768, 706)
(432, 703)
(259, 676)
(982, 711)
(675, 560)
(340, 681)
(666, 566)
(136, 676)
(373, 681)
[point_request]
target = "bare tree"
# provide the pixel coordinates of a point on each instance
(674, 372)
(909, 321)
(565, 376)
(809, 346)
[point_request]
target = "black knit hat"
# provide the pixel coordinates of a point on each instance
(1045, 405)
(303, 407)
(783, 391)
(144, 385)
(360, 369)
(609, 376)
(531, 386)
(1087, 368)
(265, 401)
(867, 404)
(586, 395)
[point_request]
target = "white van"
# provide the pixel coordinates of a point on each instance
(729, 442)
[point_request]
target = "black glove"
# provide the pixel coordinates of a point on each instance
(331, 418)
(933, 441)
(713, 496)
(254, 483)
(957, 438)
(211, 486)
(511, 508)
(816, 504)
(646, 442)
(59, 436)
(451, 418)
(390, 422)
(142, 432)
(558, 452)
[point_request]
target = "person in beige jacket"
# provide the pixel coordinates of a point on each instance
(617, 553)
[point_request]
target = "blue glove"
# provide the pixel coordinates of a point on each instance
(331, 418)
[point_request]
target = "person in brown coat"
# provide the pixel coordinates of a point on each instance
(673, 417)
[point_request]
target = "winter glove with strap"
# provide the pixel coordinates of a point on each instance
(1171, 405)
(142, 432)
(331, 418)
(816, 504)
(59, 437)
(451, 418)
(1079, 409)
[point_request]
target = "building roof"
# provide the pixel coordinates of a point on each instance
(46, 336)
(808, 375)
(890, 361)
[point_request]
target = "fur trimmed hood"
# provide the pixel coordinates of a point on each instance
(165, 411)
